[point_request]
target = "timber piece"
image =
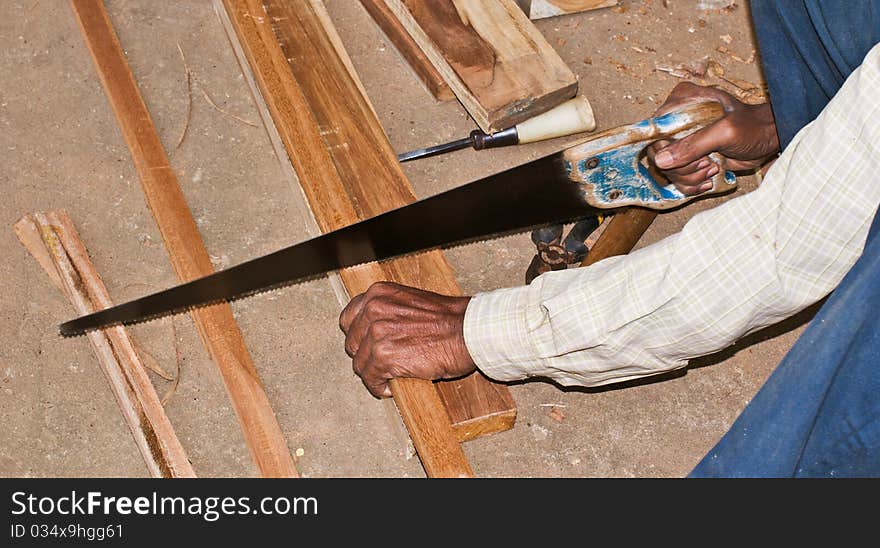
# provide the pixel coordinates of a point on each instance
(497, 63)
(409, 50)
(348, 171)
(539, 9)
(53, 241)
(216, 325)
(621, 234)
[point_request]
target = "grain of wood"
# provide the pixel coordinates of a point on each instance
(332, 137)
(497, 63)
(216, 325)
(409, 50)
(52, 236)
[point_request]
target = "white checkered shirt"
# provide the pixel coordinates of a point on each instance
(748, 263)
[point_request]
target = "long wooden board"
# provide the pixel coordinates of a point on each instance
(216, 325)
(53, 241)
(409, 50)
(348, 171)
(497, 63)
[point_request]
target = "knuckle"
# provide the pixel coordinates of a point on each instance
(381, 288)
(378, 330)
(726, 130)
(374, 308)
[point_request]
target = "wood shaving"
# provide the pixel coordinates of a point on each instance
(173, 387)
(735, 57)
(221, 111)
(151, 363)
(189, 97)
(556, 414)
(686, 70)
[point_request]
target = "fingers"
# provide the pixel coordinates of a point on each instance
(693, 147)
(694, 178)
(367, 364)
(350, 312)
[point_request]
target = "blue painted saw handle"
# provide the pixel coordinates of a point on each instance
(614, 171)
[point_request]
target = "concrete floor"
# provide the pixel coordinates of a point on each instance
(61, 148)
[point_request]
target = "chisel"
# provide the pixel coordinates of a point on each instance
(572, 116)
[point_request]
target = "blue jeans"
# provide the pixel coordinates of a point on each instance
(808, 48)
(818, 415)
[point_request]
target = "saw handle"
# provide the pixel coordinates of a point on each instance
(614, 171)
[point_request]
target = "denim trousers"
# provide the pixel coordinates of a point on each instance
(818, 415)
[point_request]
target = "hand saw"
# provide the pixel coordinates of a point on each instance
(606, 171)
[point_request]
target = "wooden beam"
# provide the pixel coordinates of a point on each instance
(216, 325)
(348, 171)
(53, 241)
(497, 63)
(621, 234)
(539, 9)
(409, 50)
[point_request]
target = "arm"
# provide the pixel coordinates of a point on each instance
(748, 263)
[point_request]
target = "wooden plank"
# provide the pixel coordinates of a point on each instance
(621, 234)
(497, 63)
(216, 325)
(409, 50)
(333, 139)
(539, 9)
(53, 241)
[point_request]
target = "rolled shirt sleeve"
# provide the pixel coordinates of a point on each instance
(748, 263)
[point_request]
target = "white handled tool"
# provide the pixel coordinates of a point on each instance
(572, 116)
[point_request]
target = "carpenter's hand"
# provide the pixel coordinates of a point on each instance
(398, 331)
(745, 137)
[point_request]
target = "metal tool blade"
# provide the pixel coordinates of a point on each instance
(435, 150)
(520, 198)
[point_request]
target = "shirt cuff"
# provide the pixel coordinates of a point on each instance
(497, 336)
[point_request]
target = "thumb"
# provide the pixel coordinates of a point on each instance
(690, 149)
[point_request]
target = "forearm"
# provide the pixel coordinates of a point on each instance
(748, 263)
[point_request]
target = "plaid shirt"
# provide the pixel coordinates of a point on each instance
(748, 263)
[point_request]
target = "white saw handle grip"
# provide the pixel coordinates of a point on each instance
(572, 116)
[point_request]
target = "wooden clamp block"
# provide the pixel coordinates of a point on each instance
(491, 55)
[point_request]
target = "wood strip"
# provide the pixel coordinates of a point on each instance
(51, 236)
(539, 9)
(497, 63)
(216, 325)
(333, 138)
(621, 234)
(409, 50)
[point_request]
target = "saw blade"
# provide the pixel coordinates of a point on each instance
(604, 171)
(523, 197)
